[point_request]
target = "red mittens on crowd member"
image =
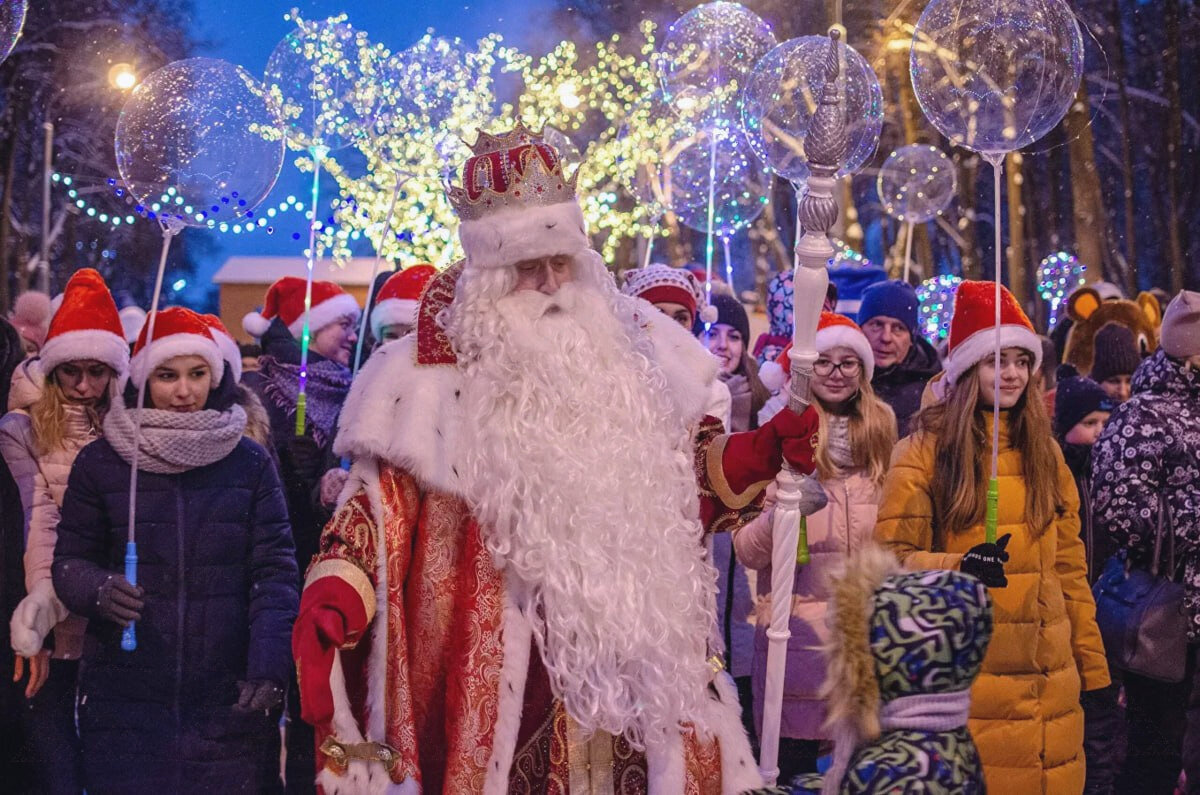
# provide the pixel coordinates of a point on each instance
(754, 456)
(332, 615)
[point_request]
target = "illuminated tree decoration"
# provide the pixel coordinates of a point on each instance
(1058, 275)
(936, 298)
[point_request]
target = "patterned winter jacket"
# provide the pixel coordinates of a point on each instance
(1149, 455)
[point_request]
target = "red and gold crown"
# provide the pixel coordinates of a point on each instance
(511, 170)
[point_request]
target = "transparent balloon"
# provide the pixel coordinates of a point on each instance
(419, 89)
(197, 143)
(657, 128)
(936, 301)
(783, 92)
(711, 50)
(324, 83)
(916, 183)
(12, 20)
(739, 182)
(996, 75)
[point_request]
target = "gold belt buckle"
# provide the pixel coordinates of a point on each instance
(340, 754)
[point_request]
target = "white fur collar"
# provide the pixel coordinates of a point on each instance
(410, 415)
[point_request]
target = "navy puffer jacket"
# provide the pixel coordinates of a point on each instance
(217, 562)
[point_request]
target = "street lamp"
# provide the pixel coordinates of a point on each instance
(121, 76)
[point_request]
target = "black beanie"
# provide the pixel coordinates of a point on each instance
(1115, 353)
(1075, 398)
(731, 312)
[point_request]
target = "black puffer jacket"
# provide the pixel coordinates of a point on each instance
(901, 385)
(1149, 455)
(217, 563)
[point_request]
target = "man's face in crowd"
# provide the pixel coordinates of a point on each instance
(890, 340)
(677, 312)
(336, 340)
(544, 274)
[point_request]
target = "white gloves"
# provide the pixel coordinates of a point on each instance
(38, 613)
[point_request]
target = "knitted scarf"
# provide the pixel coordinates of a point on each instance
(837, 441)
(171, 441)
(328, 385)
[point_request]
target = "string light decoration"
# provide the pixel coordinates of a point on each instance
(844, 255)
(1058, 275)
(936, 297)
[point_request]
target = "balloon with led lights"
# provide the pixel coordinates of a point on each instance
(916, 182)
(323, 80)
(782, 93)
(12, 20)
(656, 129)
(936, 297)
(739, 191)
(199, 130)
(994, 76)
(1058, 276)
(711, 50)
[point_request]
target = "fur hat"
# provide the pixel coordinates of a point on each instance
(1115, 353)
(86, 326)
(30, 316)
(659, 283)
(399, 298)
(516, 203)
(973, 330)
(177, 332)
(230, 351)
(1181, 326)
(285, 300)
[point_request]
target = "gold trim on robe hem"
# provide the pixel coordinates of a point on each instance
(349, 573)
(590, 760)
(720, 486)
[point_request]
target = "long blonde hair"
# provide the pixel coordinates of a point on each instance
(48, 414)
(872, 434)
(961, 455)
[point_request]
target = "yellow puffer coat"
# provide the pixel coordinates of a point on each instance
(1025, 713)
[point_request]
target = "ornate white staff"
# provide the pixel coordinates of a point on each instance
(825, 146)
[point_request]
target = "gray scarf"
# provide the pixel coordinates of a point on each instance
(174, 442)
(837, 441)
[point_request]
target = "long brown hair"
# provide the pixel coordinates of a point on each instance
(872, 434)
(963, 448)
(48, 414)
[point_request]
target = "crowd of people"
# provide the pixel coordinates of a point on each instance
(527, 547)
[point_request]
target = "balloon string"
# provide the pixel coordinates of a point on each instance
(908, 250)
(728, 264)
(318, 154)
(387, 227)
(712, 200)
(650, 244)
(997, 172)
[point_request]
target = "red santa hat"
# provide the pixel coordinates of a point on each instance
(285, 300)
(230, 351)
(833, 330)
(177, 332)
(399, 298)
(86, 326)
(658, 283)
(973, 328)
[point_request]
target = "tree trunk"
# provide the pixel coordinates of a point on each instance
(1174, 139)
(10, 163)
(1017, 281)
(968, 170)
(1118, 55)
(1087, 201)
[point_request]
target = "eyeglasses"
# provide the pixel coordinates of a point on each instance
(848, 367)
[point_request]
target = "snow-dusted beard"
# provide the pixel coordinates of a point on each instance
(581, 476)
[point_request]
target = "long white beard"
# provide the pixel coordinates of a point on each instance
(583, 481)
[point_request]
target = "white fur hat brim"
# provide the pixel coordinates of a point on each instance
(514, 235)
(323, 314)
(982, 344)
(70, 346)
(166, 348)
(231, 353)
(391, 311)
(829, 338)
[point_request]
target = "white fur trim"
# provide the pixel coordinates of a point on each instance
(855, 340)
(516, 639)
(255, 324)
(509, 236)
(230, 352)
(70, 346)
(739, 770)
(720, 402)
(164, 348)
(982, 344)
(322, 314)
(665, 771)
(772, 376)
(391, 311)
(410, 415)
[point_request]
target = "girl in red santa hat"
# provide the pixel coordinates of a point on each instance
(196, 706)
(83, 355)
(1025, 712)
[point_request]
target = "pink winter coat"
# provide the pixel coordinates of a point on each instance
(42, 481)
(845, 524)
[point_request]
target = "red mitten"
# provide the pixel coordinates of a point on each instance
(754, 456)
(331, 615)
(798, 437)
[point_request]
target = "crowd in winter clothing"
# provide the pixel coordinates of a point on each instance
(237, 478)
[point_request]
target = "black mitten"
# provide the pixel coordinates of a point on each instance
(119, 601)
(986, 562)
(258, 695)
